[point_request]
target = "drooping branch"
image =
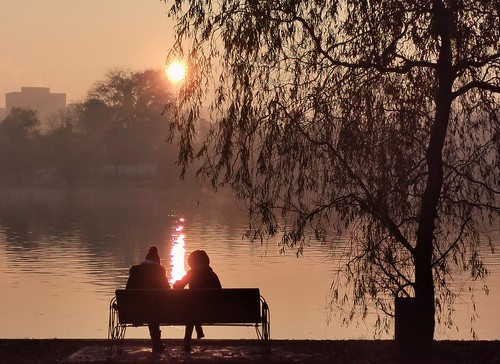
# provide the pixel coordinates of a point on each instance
(383, 217)
(444, 254)
(471, 179)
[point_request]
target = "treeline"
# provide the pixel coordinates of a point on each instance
(117, 133)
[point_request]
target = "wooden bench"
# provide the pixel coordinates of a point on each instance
(221, 307)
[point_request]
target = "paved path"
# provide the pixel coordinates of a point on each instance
(205, 352)
(87, 351)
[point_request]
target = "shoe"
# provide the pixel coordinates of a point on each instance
(199, 332)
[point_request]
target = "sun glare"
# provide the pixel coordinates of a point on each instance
(176, 71)
(177, 254)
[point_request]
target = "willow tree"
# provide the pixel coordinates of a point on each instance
(378, 119)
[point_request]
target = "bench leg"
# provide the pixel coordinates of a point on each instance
(266, 321)
(265, 334)
(116, 331)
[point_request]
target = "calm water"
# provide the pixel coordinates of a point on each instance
(64, 252)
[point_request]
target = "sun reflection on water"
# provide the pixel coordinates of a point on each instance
(177, 253)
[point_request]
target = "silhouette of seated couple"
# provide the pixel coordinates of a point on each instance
(150, 274)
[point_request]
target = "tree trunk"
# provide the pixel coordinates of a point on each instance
(424, 283)
(424, 292)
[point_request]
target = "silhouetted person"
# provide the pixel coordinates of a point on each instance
(150, 274)
(200, 276)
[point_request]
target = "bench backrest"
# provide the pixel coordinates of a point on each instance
(181, 306)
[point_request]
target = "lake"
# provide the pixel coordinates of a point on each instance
(63, 252)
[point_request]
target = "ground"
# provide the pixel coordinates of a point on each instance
(247, 351)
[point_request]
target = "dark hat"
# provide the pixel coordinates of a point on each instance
(153, 255)
(198, 258)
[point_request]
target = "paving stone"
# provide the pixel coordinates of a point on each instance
(199, 353)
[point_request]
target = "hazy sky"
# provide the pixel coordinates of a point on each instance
(67, 45)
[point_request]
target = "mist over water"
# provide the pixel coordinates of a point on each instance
(63, 252)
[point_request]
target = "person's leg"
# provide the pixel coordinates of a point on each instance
(187, 337)
(199, 331)
(155, 333)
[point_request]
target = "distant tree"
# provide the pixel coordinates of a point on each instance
(94, 121)
(19, 145)
(21, 124)
(67, 151)
(375, 118)
(95, 117)
(135, 130)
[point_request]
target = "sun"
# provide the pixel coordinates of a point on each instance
(176, 71)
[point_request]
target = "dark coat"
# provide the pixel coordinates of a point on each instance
(147, 275)
(199, 278)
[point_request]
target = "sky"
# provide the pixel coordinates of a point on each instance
(68, 45)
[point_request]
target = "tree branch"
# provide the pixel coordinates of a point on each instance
(476, 84)
(408, 64)
(476, 64)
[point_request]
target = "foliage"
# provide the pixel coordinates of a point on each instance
(120, 123)
(378, 120)
(65, 147)
(19, 144)
(135, 129)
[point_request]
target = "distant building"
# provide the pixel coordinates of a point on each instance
(3, 113)
(36, 98)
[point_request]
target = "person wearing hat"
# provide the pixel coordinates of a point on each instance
(150, 274)
(200, 276)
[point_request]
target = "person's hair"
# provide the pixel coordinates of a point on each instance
(153, 255)
(198, 258)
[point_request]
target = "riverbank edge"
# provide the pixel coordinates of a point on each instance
(45, 351)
